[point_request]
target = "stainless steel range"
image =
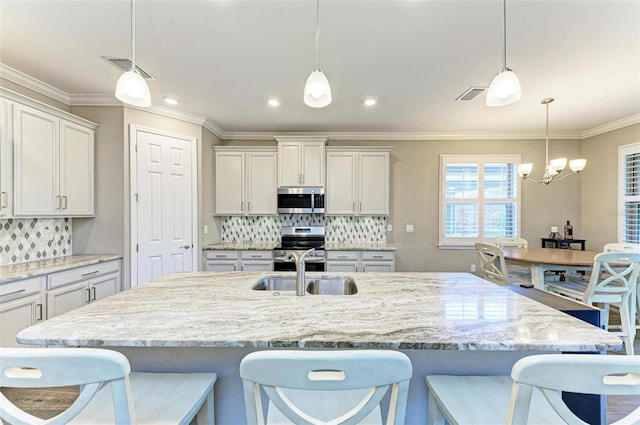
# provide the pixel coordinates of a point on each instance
(298, 240)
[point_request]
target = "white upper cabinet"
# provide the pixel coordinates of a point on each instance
(357, 181)
(245, 181)
(53, 165)
(6, 168)
(301, 161)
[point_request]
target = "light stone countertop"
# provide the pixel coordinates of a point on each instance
(251, 246)
(347, 246)
(52, 265)
(424, 311)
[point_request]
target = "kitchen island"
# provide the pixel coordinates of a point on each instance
(453, 323)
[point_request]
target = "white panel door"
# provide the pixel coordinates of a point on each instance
(262, 183)
(229, 183)
(36, 138)
(341, 183)
(289, 167)
(6, 168)
(164, 206)
(76, 169)
(373, 184)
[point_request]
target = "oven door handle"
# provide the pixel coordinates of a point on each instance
(306, 260)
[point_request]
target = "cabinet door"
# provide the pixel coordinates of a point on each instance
(340, 196)
(378, 266)
(104, 286)
(17, 315)
(6, 168)
(230, 183)
(373, 183)
(67, 298)
(342, 266)
(76, 170)
(289, 166)
(36, 141)
(221, 266)
(262, 169)
(256, 266)
(313, 164)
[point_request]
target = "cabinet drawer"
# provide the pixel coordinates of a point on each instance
(342, 255)
(378, 255)
(20, 288)
(82, 273)
(257, 255)
(221, 255)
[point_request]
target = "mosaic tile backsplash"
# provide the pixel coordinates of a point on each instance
(32, 239)
(340, 229)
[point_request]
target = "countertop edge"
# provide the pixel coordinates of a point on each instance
(21, 271)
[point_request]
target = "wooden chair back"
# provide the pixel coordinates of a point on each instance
(313, 387)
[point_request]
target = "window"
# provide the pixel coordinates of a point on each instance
(629, 193)
(479, 199)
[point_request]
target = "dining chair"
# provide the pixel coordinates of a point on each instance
(109, 392)
(533, 392)
(517, 274)
(613, 282)
(317, 387)
(627, 247)
(492, 263)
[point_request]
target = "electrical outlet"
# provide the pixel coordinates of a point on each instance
(409, 228)
(206, 229)
(473, 268)
(389, 228)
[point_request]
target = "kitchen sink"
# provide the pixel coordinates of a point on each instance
(325, 285)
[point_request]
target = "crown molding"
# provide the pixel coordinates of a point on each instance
(615, 125)
(34, 84)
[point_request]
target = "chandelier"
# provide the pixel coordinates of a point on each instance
(555, 166)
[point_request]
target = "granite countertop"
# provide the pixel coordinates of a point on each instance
(249, 246)
(348, 246)
(430, 311)
(335, 246)
(42, 267)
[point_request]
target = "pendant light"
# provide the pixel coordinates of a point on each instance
(554, 167)
(505, 87)
(131, 88)
(317, 92)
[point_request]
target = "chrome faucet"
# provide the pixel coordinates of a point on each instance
(299, 260)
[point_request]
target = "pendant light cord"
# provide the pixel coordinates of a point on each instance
(133, 37)
(317, 34)
(504, 35)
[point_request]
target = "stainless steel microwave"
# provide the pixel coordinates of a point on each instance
(301, 200)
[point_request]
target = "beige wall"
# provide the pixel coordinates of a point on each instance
(206, 192)
(600, 185)
(33, 94)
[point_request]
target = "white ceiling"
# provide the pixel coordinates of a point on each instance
(224, 58)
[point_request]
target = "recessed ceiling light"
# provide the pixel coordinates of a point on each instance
(273, 102)
(369, 101)
(170, 101)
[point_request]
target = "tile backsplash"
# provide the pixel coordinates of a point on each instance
(32, 239)
(339, 229)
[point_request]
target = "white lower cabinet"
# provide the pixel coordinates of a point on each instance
(75, 288)
(233, 260)
(21, 306)
(361, 261)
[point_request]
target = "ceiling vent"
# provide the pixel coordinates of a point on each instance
(124, 65)
(471, 93)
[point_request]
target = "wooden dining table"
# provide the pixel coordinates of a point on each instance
(540, 260)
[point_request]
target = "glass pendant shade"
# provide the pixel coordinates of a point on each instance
(133, 90)
(525, 169)
(317, 92)
(577, 165)
(558, 164)
(504, 89)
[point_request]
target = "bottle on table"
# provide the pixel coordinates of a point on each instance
(568, 231)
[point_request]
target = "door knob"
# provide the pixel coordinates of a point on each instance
(187, 246)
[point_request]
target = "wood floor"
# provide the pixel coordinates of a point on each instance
(47, 403)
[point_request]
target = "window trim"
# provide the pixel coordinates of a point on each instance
(623, 151)
(481, 160)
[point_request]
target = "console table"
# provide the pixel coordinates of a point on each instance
(562, 243)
